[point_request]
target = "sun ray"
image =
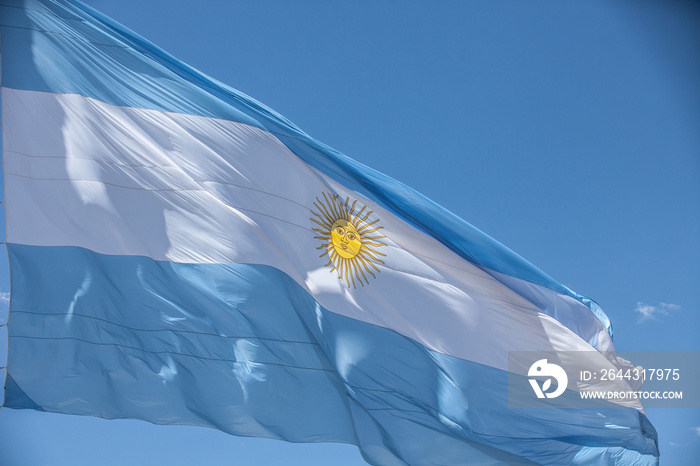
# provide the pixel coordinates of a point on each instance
(373, 265)
(344, 273)
(371, 246)
(367, 225)
(363, 261)
(334, 260)
(323, 219)
(329, 204)
(372, 243)
(324, 228)
(366, 233)
(348, 274)
(352, 208)
(358, 271)
(368, 255)
(324, 211)
(334, 207)
(354, 220)
(373, 237)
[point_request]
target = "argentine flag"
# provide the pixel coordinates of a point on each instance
(182, 254)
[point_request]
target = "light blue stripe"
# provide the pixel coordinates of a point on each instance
(62, 47)
(245, 349)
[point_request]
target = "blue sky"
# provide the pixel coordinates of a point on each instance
(569, 131)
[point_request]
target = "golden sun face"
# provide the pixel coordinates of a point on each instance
(348, 238)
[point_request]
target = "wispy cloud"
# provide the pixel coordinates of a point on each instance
(4, 297)
(650, 312)
(696, 430)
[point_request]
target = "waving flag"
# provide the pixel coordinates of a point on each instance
(182, 254)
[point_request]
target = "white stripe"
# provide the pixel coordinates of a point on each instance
(182, 188)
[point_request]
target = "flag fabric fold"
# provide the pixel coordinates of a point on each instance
(181, 253)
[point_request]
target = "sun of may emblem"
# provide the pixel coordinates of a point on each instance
(349, 239)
